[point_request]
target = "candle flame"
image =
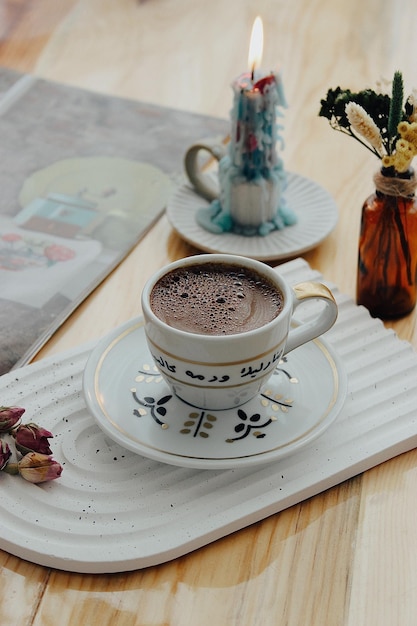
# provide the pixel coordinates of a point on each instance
(256, 45)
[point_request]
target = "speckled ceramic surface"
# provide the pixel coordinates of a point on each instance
(314, 207)
(114, 510)
(135, 406)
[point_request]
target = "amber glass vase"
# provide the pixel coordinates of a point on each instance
(387, 260)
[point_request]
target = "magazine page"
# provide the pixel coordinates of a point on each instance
(83, 177)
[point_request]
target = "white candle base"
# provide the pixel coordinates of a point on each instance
(254, 203)
(247, 207)
(250, 203)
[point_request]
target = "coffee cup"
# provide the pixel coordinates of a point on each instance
(217, 326)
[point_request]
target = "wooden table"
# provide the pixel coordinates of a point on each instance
(347, 556)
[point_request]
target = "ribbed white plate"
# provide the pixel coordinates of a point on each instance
(113, 510)
(315, 209)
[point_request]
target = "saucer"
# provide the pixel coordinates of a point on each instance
(314, 207)
(134, 406)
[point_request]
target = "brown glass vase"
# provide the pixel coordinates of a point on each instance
(387, 260)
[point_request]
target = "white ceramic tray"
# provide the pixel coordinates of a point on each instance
(113, 510)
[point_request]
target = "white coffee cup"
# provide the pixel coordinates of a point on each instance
(224, 371)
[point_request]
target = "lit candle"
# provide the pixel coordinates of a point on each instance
(251, 177)
(256, 97)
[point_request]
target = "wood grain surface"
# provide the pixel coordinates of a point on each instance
(347, 557)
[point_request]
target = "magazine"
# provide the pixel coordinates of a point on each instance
(83, 177)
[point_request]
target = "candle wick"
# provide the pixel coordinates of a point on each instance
(253, 72)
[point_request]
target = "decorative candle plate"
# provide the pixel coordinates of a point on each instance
(315, 209)
(114, 510)
(134, 406)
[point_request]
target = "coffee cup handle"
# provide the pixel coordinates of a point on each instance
(204, 185)
(310, 330)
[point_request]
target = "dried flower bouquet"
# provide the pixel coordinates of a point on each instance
(387, 126)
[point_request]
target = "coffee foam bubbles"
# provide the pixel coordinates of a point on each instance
(215, 299)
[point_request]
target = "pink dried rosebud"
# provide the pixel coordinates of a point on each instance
(5, 454)
(32, 438)
(39, 468)
(9, 417)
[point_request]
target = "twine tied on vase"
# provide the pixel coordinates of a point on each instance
(395, 186)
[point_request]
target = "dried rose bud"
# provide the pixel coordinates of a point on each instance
(39, 468)
(9, 417)
(5, 454)
(32, 438)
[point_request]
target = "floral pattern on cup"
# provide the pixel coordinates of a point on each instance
(199, 423)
